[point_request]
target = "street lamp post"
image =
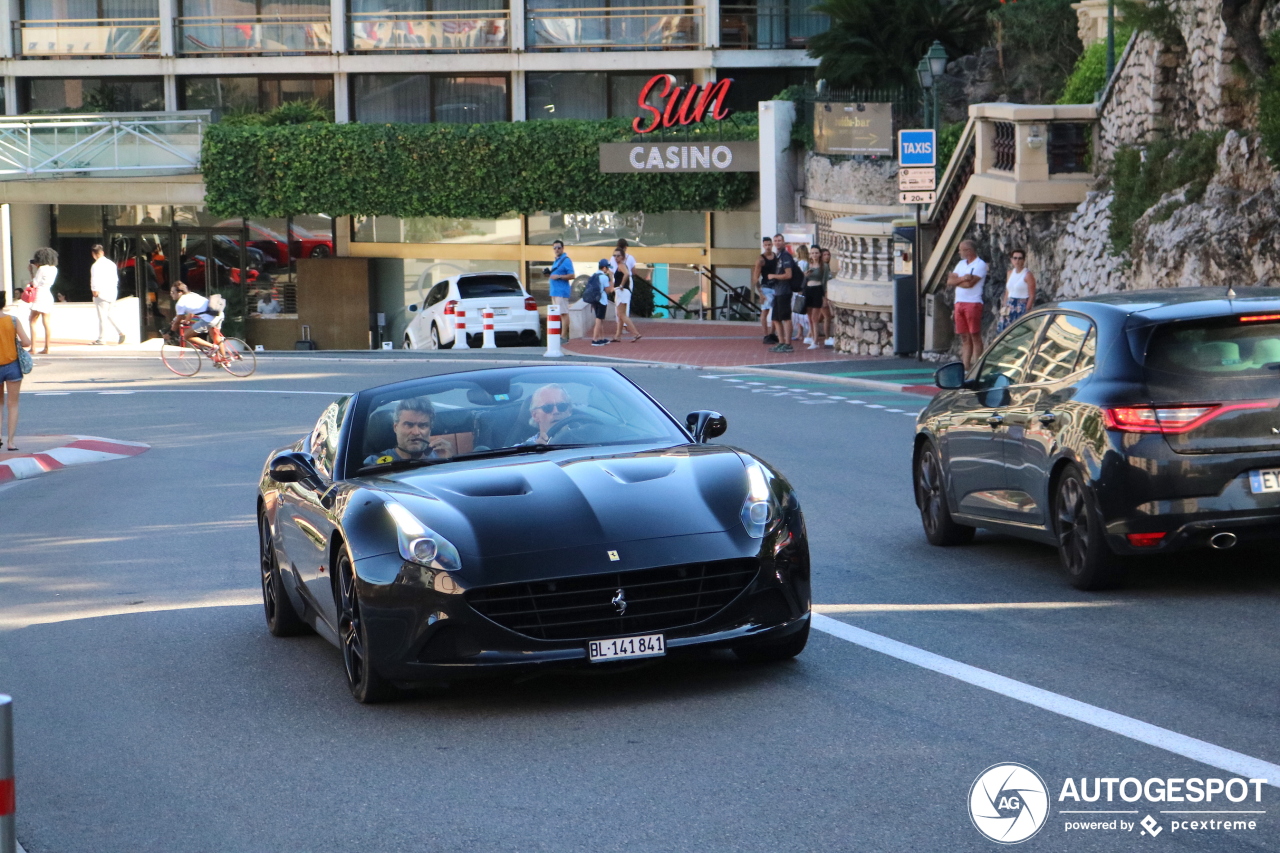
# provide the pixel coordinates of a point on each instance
(1111, 38)
(937, 59)
(925, 75)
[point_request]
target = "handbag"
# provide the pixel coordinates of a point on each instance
(797, 303)
(25, 361)
(29, 293)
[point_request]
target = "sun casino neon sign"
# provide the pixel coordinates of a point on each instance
(682, 105)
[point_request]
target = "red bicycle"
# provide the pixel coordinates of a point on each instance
(231, 354)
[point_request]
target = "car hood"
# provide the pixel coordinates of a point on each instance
(566, 499)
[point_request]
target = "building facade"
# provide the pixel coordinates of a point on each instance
(456, 61)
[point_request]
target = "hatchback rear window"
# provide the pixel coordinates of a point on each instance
(477, 286)
(1230, 358)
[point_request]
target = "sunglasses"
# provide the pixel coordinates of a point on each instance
(555, 407)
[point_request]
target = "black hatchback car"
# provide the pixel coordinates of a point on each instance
(1136, 423)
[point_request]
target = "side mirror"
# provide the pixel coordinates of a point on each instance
(293, 467)
(950, 376)
(706, 425)
(413, 308)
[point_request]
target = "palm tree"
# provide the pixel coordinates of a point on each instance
(877, 43)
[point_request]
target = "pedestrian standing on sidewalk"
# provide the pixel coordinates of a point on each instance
(762, 285)
(595, 294)
(12, 337)
(103, 281)
(630, 258)
(799, 313)
(815, 292)
(1019, 290)
(967, 279)
(621, 291)
(46, 263)
(828, 316)
(561, 274)
(786, 273)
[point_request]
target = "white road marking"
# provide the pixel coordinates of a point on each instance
(856, 402)
(115, 392)
(816, 402)
(1134, 729)
(874, 406)
(897, 411)
(50, 393)
(753, 383)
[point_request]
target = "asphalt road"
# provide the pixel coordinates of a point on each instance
(155, 713)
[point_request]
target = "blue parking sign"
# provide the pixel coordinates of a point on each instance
(917, 148)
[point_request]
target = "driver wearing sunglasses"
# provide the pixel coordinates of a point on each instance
(550, 405)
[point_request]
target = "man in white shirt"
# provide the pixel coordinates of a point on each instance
(631, 259)
(103, 280)
(968, 279)
(191, 314)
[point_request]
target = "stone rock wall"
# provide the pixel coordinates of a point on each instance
(863, 332)
(1177, 89)
(870, 182)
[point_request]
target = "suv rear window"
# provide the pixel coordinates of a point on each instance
(477, 286)
(1230, 358)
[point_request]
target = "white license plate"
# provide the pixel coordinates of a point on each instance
(648, 646)
(1264, 480)
(500, 312)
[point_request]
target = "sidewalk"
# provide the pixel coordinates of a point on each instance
(705, 344)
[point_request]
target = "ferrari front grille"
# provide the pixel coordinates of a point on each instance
(614, 604)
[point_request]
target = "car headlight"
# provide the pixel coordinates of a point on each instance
(420, 544)
(760, 509)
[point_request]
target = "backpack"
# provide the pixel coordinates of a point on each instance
(217, 304)
(593, 293)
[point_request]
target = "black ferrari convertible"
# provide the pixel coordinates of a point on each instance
(495, 520)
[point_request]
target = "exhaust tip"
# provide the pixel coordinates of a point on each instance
(1222, 541)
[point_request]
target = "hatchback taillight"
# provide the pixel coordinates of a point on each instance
(449, 306)
(1171, 420)
(530, 304)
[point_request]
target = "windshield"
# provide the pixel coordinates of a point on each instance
(499, 412)
(477, 286)
(1232, 358)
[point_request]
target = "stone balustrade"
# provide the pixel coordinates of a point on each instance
(861, 293)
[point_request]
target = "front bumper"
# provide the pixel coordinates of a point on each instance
(427, 631)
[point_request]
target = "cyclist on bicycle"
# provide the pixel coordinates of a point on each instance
(192, 314)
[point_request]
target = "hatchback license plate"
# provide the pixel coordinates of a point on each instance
(1264, 480)
(500, 312)
(648, 646)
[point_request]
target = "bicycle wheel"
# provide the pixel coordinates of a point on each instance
(184, 361)
(240, 360)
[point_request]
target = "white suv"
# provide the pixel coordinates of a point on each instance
(515, 314)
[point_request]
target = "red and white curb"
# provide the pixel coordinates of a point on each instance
(77, 450)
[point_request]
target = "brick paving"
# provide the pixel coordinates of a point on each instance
(705, 344)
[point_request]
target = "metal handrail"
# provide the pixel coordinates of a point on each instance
(686, 32)
(783, 28)
(313, 31)
(94, 143)
(301, 18)
(433, 39)
(115, 37)
(735, 300)
(101, 22)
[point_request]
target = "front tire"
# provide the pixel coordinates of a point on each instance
(1088, 561)
(367, 686)
(931, 497)
(408, 343)
(184, 361)
(433, 340)
(282, 619)
(775, 651)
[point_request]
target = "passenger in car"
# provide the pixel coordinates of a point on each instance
(412, 427)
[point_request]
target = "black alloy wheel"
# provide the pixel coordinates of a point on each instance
(367, 686)
(282, 619)
(931, 497)
(321, 251)
(1088, 561)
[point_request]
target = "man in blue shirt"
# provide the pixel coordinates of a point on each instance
(561, 273)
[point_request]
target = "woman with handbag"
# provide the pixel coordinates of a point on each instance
(14, 362)
(46, 261)
(621, 291)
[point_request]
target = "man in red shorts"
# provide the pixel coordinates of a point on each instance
(968, 278)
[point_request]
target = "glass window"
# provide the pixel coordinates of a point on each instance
(63, 10)
(1228, 358)
(324, 438)
(1088, 351)
(567, 94)
(436, 229)
(378, 98)
(254, 94)
(479, 286)
(1005, 361)
(605, 228)
(435, 420)
(470, 100)
(92, 94)
(624, 93)
(1059, 348)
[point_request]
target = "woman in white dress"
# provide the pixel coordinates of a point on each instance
(46, 261)
(1019, 290)
(621, 291)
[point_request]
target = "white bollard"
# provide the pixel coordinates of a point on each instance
(489, 341)
(553, 333)
(460, 328)
(8, 836)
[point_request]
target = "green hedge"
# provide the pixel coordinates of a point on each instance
(1089, 77)
(478, 171)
